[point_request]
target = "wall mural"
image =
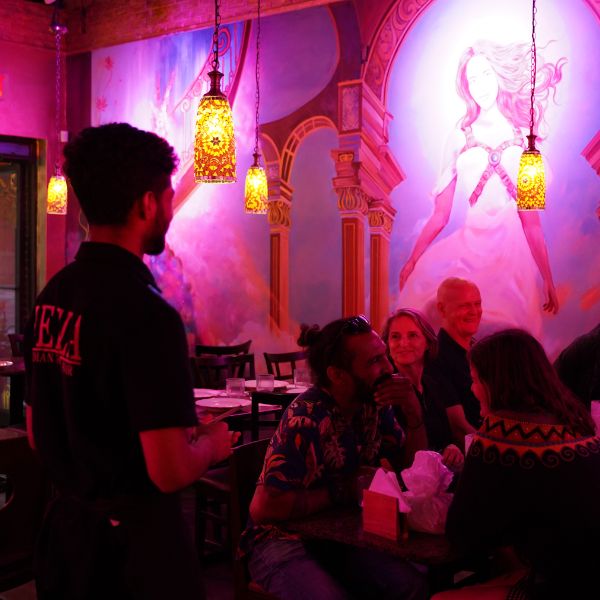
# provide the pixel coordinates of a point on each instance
(458, 94)
(216, 266)
(468, 111)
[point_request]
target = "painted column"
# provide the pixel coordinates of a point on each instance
(280, 195)
(381, 220)
(353, 204)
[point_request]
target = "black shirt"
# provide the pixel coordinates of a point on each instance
(579, 366)
(451, 364)
(436, 394)
(106, 359)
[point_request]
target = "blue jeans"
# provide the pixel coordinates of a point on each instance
(296, 570)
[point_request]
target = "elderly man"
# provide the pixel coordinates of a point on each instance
(342, 423)
(110, 399)
(459, 306)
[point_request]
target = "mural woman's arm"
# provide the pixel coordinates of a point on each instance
(532, 227)
(437, 221)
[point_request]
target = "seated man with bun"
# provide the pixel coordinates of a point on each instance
(342, 423)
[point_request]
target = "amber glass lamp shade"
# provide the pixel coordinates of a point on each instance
(214, 148)
(57, 195)
(256, 190)
(531, 181)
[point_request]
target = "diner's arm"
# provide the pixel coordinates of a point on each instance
(270, 504)
(459, 424)
(532, 227)
(174, 463)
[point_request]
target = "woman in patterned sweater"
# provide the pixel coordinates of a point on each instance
(531, 481)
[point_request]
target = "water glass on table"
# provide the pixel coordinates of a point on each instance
(302, 377)
(265, 383)
(235, 387)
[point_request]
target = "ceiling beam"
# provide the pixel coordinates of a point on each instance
(100, 23)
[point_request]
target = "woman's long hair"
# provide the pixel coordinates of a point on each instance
(519, 377)
(512, 65)
(421, 322)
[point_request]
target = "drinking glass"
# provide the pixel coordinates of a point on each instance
(302, 377)
(265, 383)
(235, 387)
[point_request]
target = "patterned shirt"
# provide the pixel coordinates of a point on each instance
(315, 443)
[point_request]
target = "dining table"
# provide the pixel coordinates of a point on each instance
(344, 525)
(14, 369)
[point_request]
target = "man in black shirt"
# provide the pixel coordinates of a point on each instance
(459, 305)
(578, 366)
(110, 406)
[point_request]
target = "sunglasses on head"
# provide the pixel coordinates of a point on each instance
(352, 325)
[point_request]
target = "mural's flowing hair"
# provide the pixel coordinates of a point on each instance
(512, 66)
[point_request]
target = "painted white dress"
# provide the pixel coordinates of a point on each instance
(490, 249)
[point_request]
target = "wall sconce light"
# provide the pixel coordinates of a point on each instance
(214, 147)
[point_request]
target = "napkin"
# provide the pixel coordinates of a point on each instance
(386, 482)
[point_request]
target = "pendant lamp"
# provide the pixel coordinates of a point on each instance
(531, 181)
(256, 190)
(57, 186)
(214, 147)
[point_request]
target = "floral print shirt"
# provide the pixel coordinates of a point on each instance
(315, 444)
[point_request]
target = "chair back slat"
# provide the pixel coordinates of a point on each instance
(283, 364)
(17, 341)
(212, 371)
(243, 348)
(272, 420)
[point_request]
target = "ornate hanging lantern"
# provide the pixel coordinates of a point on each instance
(256, 190)
(531, 181)
(56, 203)
(214, 148)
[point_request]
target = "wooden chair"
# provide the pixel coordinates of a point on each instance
(275, 362)
(21, 516)
(212, 371)
(17, 341)
(224, 350)
(256, 422)
(246, 464)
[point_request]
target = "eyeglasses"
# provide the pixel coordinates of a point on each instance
(351, 326)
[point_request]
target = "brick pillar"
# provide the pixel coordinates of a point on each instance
(280, 194)
(381, 219)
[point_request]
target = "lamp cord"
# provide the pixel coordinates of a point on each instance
(257, 78)
(215, 61)
(58, 81)
(533, 67)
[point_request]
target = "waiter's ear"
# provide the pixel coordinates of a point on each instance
(146, 206)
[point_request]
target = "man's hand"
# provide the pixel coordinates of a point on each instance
(398, 391)
(453, 458)
(219, 439)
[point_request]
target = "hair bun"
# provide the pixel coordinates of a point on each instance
(309, 335)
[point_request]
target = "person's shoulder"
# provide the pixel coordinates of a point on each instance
(309, 408)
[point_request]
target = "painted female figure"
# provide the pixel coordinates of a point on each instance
(498, 248)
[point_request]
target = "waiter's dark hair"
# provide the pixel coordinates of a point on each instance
(112, 166)
(327, 347)
(514, 367)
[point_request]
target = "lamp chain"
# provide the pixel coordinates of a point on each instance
(533, 67)
(257, 78)
(215, 61)
(58, 36)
